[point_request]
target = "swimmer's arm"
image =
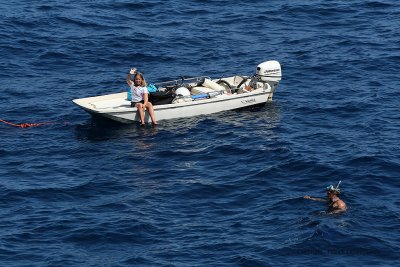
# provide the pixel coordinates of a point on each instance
(315, 198)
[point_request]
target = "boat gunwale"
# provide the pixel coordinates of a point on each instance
(128, 108)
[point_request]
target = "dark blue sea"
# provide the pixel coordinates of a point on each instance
(218, 190)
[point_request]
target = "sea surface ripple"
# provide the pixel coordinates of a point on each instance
(219, 190)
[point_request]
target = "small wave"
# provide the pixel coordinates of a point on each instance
(83, 191)
(79, 22)
(374, 5)
(249, 260)
(138, 233)
(54, 55)
(132, 6)
(46, 8)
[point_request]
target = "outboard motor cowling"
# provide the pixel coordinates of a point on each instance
(268, 75)
(269, 71)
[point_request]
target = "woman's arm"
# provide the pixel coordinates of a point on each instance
(145, 100)
(128, 78)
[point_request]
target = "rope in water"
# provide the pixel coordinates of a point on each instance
(26, 125)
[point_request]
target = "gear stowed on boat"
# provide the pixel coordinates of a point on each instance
(188, 97)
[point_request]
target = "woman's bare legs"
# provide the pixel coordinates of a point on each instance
(139, 107)
(151, 112)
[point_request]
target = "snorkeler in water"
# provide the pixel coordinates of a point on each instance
(333, 200)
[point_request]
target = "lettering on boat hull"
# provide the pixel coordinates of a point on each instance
(249, 101)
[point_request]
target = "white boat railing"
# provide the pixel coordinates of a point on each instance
(181, 81)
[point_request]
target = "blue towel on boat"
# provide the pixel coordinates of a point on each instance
(151, 88)
(200, 96)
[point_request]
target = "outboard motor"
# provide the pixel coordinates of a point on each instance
(269, 71)
(268, 75)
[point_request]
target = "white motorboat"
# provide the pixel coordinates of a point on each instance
(188, 97)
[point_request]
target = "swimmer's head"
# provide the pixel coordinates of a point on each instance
(333, 189)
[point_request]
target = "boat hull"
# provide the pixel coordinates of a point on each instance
(117, 108)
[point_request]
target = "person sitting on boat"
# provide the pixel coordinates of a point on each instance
(140, 95)
(335, 204)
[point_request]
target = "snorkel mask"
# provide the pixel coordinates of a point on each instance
(334, 189)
